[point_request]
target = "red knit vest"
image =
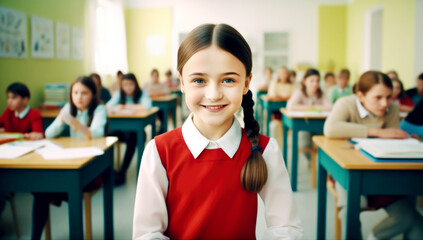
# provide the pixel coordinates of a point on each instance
(205, 197)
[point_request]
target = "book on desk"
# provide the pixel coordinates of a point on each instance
(391, 150)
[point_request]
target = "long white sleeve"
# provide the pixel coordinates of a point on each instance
(150, 212)
(280, 213)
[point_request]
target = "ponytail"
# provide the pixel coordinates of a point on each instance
(254, 172)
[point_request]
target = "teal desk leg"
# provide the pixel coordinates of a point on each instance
(75, 208)
(285, 143)
(294, 159)
(321, 198)
(174, 113)
(108, 196)
(353, 228)
(268, 116)
(165, 119)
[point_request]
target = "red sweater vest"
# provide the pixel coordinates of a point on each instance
(32, 122)
(205, 197)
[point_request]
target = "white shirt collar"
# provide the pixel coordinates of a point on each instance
(23, 113)
(196, 142)
(361, 110)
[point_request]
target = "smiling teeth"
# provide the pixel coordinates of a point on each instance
(217, 107)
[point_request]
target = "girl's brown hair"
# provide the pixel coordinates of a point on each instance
(309, 73)
(370, 78)
(254, 172)
(95, 101)
(288, 79)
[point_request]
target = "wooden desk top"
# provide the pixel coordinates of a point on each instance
(304, 114)
(53, 113)
(139, 114)
(164, 98)
(353, 159)
(33, 160)
(273, 99)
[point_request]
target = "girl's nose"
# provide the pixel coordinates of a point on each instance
(213, 92)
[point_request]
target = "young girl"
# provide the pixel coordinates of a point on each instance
(154, 88)
(309, 97)
(85, 118)
(282, 87)
(131, 97)
(400, 98)
(201, 180)
(370, 113)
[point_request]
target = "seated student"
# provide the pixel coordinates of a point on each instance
(341, 88)
(292, 76)
(18, 116)
(370, 113)
(130, 96)
(115, 86)
(281, 87)
(309, 97)
(329, 80)
(413, 123)
(86, 118)
(392, 74)
(416, 94)
(154, 87)
(400, 98)
(104, 93)
(264, 84)
(170, 81)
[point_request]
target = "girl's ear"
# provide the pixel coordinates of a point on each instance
(247, 84)
(360, 97)
(182, 82)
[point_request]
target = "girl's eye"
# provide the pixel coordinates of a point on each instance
(228, 80)
(198, 81)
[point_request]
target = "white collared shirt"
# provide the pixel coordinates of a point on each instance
(150, 212)
(362, 111)
(22, 114)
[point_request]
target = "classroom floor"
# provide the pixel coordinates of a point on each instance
(305, 199)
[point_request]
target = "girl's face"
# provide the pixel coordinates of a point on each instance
(330, 81)
(81, 96)
(397, 89)
(214, 82)
(312, 84)
(376, 100)
(283, 74)
(269, 74)
(155, 77)
(128, 87)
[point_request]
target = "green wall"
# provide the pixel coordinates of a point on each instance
(141, 23)
(398, 37)
(332, 37)
(36, 72)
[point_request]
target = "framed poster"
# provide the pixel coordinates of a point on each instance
(13, 38)
(77, 43)
(62, 40)
(42, 42)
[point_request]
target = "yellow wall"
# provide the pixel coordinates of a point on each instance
(140, 23)
(332, 37)
(36, 72)
(398, 37)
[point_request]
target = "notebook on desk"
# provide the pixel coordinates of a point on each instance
(9, 137)
(382, 150)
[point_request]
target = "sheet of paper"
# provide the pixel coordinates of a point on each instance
(69, 153)
(307, 113)
(10, 151)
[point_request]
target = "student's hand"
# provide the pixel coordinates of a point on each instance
(33, 136)
(390, 133)
(68, 119)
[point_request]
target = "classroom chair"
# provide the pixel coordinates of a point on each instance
(88, 224)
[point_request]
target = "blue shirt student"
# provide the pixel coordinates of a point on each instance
(144, 100)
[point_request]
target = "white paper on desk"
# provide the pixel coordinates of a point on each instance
(19, 148)
(393, 148)
(123, 111)
(69, 153)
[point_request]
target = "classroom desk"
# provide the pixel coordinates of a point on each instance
(270, 105)
(166, 103)
(360, 176)
(258, 114)
(298, 121)
(31, 173)
(134, 122)
(120, 122)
